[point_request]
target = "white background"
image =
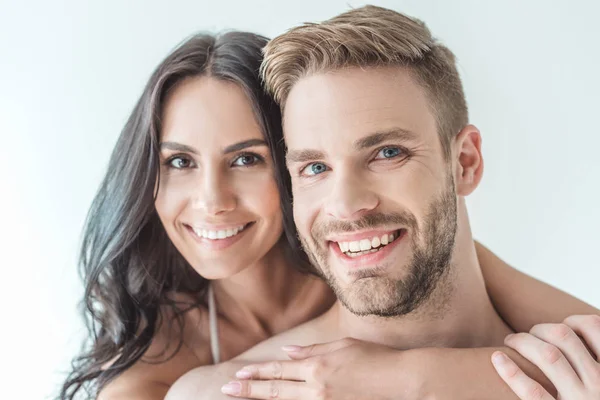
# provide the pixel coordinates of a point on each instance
(70, 72)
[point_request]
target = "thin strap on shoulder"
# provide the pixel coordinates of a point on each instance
(212, 323)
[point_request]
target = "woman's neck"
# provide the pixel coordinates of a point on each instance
(257, 296)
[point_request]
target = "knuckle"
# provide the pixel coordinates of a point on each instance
(517, 340)
(322, 394)
(551, 353)
(348, 341)
(593, 320)
(512, 372)
(560, 332)
(274, 390)
(318, 368)
(246, 389)
(538, 328)
(276, 370)
(309, 351)
(535, 392)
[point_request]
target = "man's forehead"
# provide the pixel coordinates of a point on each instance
(345, 106)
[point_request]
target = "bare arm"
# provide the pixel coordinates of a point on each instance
(351, 368)
(204, 382)
(523, 301)
(448, 374)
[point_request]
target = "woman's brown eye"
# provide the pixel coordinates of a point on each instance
(179, 163)
(246, 160)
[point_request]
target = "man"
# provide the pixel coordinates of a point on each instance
(381, 157)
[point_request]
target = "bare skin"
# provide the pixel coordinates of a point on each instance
(265, 296)
(152, 381)
(258, 291)
(344, 107)
(567, 353)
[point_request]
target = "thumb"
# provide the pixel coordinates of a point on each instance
(302, 352)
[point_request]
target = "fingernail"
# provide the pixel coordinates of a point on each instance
(499, 359)
(509, 336)
(243, 374)
(232, 388)
(291, 349)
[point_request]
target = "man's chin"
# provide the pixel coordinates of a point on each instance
(371, 296)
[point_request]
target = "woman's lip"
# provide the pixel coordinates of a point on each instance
(218, 227)
(218, 244)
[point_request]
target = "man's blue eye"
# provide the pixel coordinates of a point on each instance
(389, 152)
(314, 169)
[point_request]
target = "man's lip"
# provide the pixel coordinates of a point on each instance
(366, 260)
(357, 236)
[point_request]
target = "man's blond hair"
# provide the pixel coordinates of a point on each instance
(366, 37)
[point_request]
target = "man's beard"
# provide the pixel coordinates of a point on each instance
(374, 294)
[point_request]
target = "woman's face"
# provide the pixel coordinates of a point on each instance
(217, 198)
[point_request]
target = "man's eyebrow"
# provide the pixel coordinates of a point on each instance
(366, 142)
(177, 147)
(380, 137)
(299, 156)
(242, 145)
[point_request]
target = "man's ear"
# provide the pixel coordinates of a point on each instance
(469, 168)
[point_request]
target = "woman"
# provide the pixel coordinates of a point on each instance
(191, 197)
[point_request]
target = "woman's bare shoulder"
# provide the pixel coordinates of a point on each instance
(176, 349)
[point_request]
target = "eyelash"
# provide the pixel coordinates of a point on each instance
(259, 159)
(403, 154)
(169, 161)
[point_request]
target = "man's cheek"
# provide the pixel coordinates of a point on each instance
(304, 212)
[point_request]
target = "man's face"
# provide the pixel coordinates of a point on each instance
(374, 197)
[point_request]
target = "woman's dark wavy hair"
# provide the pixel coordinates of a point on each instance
(127, 262)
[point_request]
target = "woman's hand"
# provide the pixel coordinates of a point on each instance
(566, 353)
(346, 369)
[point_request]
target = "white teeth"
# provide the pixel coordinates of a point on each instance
(365, 246)
(375, 242)
(384, 239)
(218, 234)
